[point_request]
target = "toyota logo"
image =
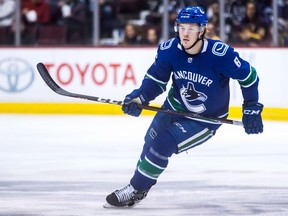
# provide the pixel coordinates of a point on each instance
(16, 75)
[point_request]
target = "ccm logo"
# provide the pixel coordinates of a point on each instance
(251, 112)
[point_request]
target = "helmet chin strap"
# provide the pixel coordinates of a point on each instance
(198, 39)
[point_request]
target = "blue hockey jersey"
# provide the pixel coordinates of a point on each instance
(200, 83)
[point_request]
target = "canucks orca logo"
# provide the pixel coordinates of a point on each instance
(190, 94)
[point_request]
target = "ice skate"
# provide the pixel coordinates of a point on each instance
(125, 197)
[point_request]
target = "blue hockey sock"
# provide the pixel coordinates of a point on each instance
(154, 162)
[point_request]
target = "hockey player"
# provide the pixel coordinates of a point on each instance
(200, 69)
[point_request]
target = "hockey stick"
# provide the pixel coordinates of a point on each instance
(56, 88)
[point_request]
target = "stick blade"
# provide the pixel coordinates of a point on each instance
(47, 78)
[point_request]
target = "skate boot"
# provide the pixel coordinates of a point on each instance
(125, 197)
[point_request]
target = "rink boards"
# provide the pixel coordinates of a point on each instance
(112, 73)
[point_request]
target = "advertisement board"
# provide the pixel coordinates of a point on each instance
(112, 73)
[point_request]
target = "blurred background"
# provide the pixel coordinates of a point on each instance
(104, 47)
(137, 22)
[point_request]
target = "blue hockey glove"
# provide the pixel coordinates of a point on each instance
(131, 102)
(251, 118)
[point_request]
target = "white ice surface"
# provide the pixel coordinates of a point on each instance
(65, 165)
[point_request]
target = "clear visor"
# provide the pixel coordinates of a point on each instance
(189, 29)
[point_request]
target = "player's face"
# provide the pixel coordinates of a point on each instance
(188, 33)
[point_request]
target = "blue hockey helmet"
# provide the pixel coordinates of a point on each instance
(191, 14)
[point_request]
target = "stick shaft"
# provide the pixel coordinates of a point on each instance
(56, 88)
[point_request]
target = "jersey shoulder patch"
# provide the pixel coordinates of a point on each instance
(167, 44)
(219, 49)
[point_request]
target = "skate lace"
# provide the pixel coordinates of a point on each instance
(125, 193)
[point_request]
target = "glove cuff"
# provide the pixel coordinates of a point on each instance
(141, 95)
(252, 103)
(252, 108)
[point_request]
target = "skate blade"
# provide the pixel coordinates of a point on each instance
(108, 206)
